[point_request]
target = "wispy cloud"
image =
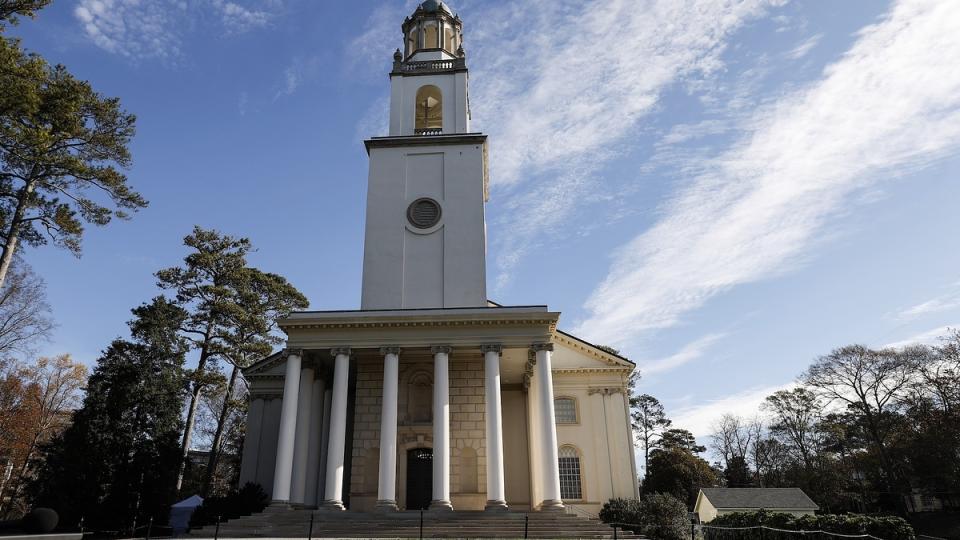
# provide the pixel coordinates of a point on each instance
(700, 419)
(927, 337)
(889, 105)
(804, 47)
(688, 353)
(155, 29)
(586, 93)
(945, 302)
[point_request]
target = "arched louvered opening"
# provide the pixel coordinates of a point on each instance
(429, 113)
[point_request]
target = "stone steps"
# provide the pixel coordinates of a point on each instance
(459, 524)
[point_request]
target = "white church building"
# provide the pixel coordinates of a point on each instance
(430, 395)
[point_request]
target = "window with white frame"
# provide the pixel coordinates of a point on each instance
(570, 474)
(565, 410)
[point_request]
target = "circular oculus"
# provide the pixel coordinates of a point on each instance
(423, 213)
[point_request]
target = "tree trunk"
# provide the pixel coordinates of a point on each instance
(13, 231)
(192, 409)
(218, 436)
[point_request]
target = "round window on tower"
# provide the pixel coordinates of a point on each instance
(423, 213)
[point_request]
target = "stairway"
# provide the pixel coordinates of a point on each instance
(459, 524)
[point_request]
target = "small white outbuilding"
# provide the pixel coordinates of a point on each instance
(713, 502)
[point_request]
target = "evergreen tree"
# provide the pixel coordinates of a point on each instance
(231, 312)
(115, 465)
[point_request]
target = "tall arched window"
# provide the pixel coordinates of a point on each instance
(565, 410)
(412, 41)
(431, 39)
(429, 116)
(570, 482)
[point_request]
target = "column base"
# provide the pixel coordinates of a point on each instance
(496, 506)
(552, 505)
(278, 506)
(331, 505)
(386, 506)
(441, 506)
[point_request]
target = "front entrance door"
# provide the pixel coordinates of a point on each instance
(419, 478)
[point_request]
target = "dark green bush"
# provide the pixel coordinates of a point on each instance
(247, 500)
(660, 515)
(886, 527)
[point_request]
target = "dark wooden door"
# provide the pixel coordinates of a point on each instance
(419, 478)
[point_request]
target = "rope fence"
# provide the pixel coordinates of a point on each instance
(762, 532)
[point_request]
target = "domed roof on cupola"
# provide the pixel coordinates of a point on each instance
(433, 6)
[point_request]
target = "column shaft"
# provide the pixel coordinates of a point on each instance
(288, 426)
(251, 442)
(324, 443)
(386, 490)
(301, 447)
(548, 430)
(441, 429)
(333, 491)
(313, 443)
(496, 493)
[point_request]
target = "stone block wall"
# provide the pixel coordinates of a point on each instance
(467, 428)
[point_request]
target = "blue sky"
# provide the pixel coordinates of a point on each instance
(723, 190)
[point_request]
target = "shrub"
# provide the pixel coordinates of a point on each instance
(247, 500)
(886, 527)
(660, 515)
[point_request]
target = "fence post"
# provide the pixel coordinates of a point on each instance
(693, 531)
(81, 526)
(526, 524)
(216, 532)
(421, 524)
(149, 527)
(614, 531)
(310, 532)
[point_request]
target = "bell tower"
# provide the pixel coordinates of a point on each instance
(425, 238)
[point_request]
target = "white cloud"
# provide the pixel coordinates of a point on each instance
(688, 353)
(155, 29)
(927, 337)
(804, 47)
(587, 79)
(700, 419)
(889, 105)
(945, 302)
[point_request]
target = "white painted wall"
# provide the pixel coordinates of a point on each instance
(445, 266)
(453, 90)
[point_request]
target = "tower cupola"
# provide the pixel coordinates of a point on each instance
(432, 32)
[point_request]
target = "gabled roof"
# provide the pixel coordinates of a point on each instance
(768, 498)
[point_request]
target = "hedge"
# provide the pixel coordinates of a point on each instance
(886, 527)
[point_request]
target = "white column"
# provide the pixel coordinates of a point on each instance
(333, 491)
(496, 493)
(301, 446)
(324, 443)
(288, 427)
(441, 429)
(313, 442)
(251, 442)
(387, 488)
(548, 429)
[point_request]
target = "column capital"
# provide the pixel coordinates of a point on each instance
(293, 352)
(438, 349)
(337, 351)
(491, 347)
(389, 349)
(537, 347)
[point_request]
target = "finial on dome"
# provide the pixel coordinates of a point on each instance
(397, 56)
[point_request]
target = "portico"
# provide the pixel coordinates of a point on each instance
(478, 337)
